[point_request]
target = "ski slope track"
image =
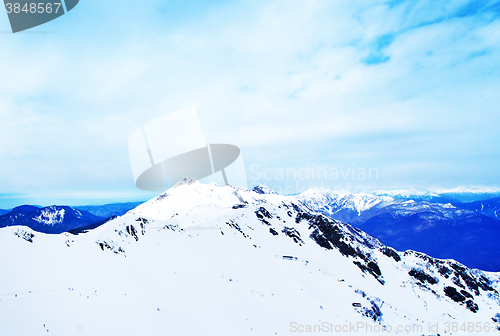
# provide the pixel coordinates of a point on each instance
(208, 260)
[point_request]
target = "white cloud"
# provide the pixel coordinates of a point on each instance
(263, 75)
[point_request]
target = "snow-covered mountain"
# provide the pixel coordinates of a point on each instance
(346, 206)
(102, 211)
(52, 219)
(407, 221)
(342, 205)
(202, 259)
(441, 195)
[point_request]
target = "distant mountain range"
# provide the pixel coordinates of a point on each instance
(437, 224)
(52, 219)
(456, 195)
(462, 224)
(57, 219)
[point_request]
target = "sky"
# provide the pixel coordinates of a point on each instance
(354, 95)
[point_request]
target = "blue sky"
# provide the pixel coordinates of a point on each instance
(408, 89)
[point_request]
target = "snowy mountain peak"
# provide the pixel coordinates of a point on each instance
(262, 189)
(207, 200)
(342, 200)
(173, 202)
(265, 254)
(186, 180)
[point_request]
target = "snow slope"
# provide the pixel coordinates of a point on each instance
(208, 260)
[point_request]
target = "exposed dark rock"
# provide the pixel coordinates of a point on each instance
(453, 294)
(262, 212)
(273, 231)
(232, 223)
(132, 231)
(466, 294)
(371, 268)
(260, 189)
(457, 282)
(239, 206)
(294, 234)
(25, 235)
(471, 306)
(391, 253)
(104, 244)
(373, 312)
(444, 271)
(422, 276)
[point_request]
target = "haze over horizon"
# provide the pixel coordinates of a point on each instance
(470, 194)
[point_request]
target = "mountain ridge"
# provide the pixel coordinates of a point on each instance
(444, 230)
(264, 262)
